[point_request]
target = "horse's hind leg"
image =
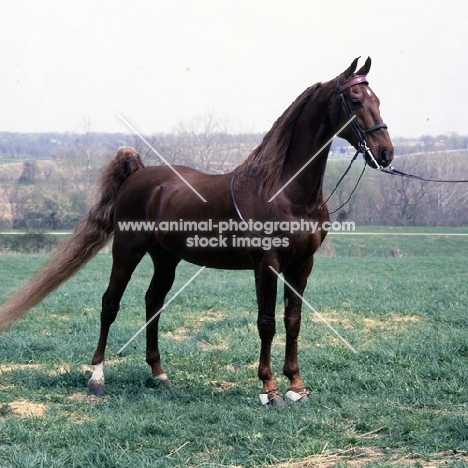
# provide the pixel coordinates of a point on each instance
(126, 257)
(297, 278)
(164, 273)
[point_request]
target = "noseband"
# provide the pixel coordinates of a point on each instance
(357, 130)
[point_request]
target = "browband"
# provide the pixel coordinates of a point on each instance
(353, 81)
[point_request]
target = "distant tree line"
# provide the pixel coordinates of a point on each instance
(47, 180)
(204, 129)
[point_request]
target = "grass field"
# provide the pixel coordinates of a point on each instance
(402, 400)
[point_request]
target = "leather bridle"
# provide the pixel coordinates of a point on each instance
(358, 131)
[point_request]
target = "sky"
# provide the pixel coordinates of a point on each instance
(76, 65)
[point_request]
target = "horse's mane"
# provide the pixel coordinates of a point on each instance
(265, 163)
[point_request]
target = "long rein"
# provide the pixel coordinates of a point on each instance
(391, 171)
(396, 172)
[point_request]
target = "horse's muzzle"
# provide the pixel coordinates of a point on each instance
(379, 159)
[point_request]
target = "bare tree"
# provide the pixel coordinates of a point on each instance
(17, 198)
(82, 169)
(448, 200)
(30, 171)
(208, 144)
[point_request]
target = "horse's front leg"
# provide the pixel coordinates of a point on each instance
(266, 287)
(297, 278)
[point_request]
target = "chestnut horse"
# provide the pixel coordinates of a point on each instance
(279, 184)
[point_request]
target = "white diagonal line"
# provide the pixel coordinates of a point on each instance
(160, 310)
(143, 139)
(311, 159)
(313, 310)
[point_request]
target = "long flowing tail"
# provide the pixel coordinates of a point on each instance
(88, 237)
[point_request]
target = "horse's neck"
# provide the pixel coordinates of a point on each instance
(307, 157)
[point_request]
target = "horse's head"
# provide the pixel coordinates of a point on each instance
(357, 110)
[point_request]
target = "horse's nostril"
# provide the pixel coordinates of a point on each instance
(383, 155)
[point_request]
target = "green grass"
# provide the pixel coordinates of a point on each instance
(403, 395)
(410, 241)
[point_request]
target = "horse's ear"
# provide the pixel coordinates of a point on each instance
(365, 68)
(347, 73)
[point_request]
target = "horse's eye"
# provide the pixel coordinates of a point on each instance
(356, 103)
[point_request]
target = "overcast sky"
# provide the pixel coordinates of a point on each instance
(161, 62)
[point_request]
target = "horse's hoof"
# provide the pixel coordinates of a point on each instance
(278, 402)
(299, 394)
(164, 379)
(97, 387)
(273, 398)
